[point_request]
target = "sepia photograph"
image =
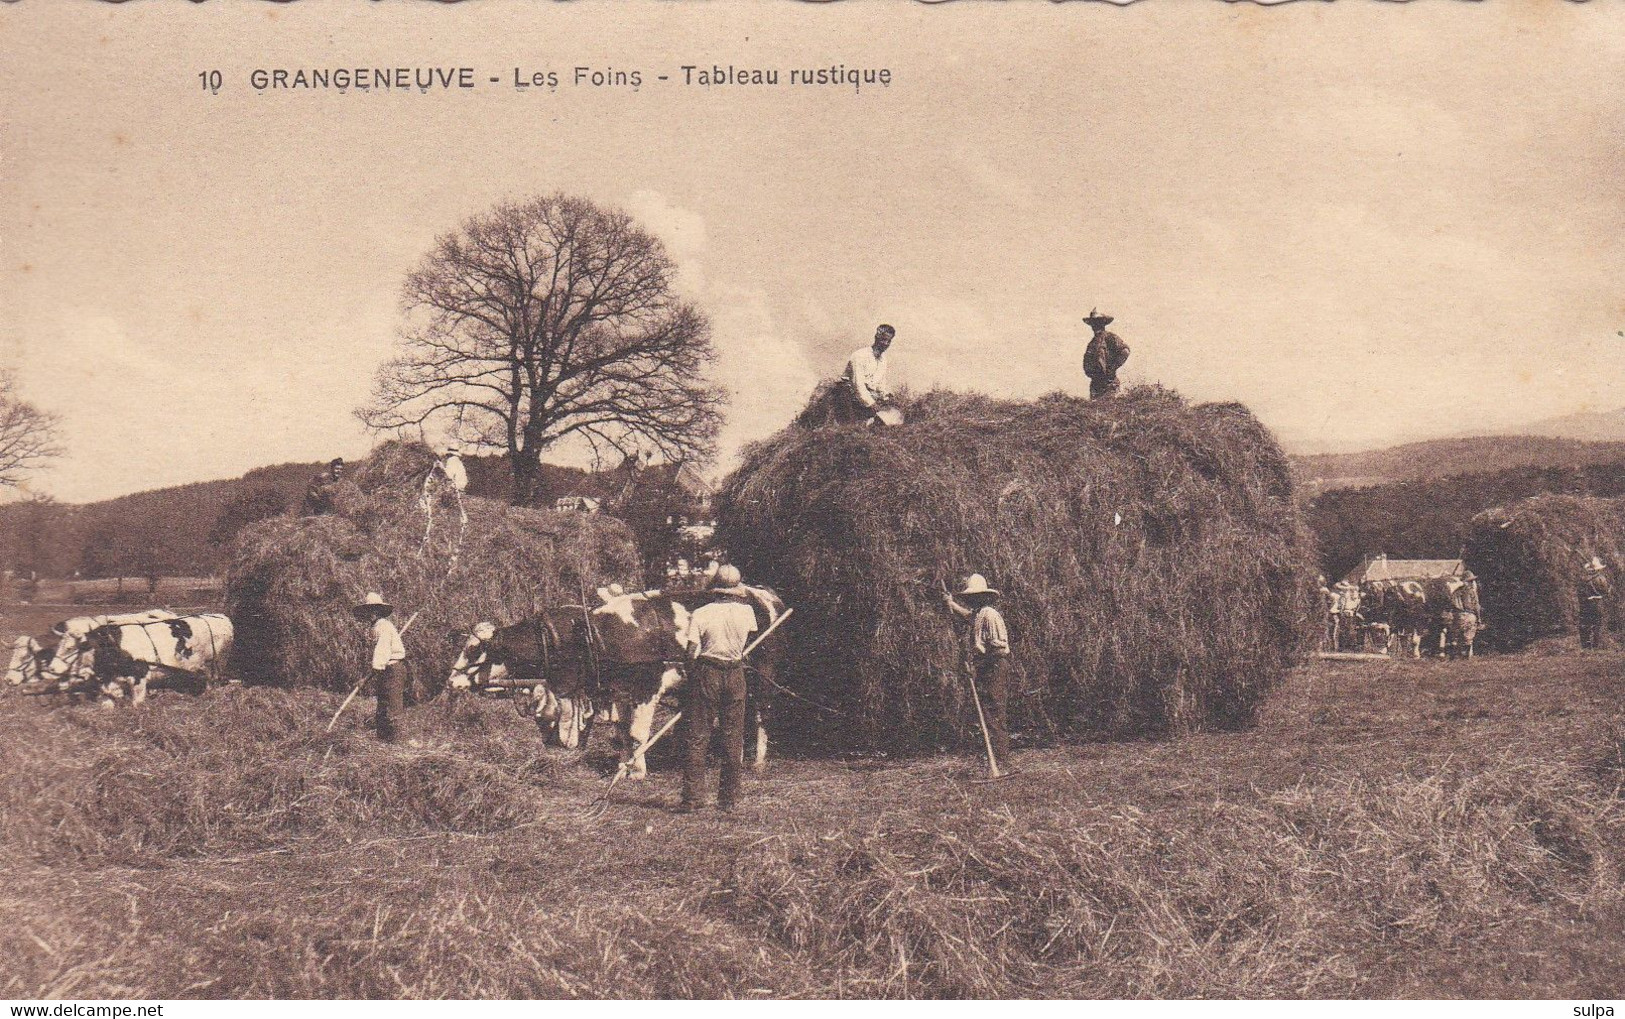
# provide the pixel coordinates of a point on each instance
(761, 499)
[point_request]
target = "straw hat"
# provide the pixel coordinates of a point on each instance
(374, 604)
(1595, 565)
(977, 584)
(1095, 318)
(610, 593)
(727, 581)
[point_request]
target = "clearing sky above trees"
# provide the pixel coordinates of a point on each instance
(1363, 236)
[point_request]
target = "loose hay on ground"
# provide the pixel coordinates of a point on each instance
(292, 580)
(1153, 560)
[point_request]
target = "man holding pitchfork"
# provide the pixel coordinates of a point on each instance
(990, 647)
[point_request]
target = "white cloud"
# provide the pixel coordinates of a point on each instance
(767, 372)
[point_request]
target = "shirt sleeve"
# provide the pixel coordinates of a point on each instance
(860, 369)
(990, 633)
(1119, 352)
(388, 647)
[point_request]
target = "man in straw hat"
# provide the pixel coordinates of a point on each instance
(1593, 592)
(990, 647)
(451, 465)
(1105, 354)
(863, 387)
(718, 634)
(388, 654)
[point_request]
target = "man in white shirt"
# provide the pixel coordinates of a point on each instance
(864, 384)
(455, 472)
(718, 634)
(990, 652)
(388, 676)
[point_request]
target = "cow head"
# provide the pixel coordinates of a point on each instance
(72, 647)
(29, 656)
(474, 656)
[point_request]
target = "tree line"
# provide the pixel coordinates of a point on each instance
(1429, 519)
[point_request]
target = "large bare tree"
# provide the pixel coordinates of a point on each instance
(28, 435)
(548, 319)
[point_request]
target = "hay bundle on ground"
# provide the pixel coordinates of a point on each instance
(291, 580)
(1153, 561)
(1528, 558)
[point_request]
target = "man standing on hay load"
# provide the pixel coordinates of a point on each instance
(388, 658)
(1105, 354)
(863, 391)
(990, 648)
(1593, 591)
(718, 635)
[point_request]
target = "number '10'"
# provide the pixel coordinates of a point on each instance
(211, 80)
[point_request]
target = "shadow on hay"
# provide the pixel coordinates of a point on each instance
(1154, 563)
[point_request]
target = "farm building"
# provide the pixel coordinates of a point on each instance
(1379, 568)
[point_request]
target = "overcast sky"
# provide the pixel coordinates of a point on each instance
(1369, 222)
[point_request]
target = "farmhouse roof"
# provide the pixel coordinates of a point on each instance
(1383, 568)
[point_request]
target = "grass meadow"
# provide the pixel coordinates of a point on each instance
(1406, 829)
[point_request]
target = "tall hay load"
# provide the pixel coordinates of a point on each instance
(292, 580)
(1528, 558)
(1154, 563)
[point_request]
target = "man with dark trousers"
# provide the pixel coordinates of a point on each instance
(1593, 591)
(1105, 354)
(718, 633)
(990, 651)
(388, 665)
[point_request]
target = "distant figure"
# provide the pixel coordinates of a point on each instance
(1593, 591)
(452, 467)
(1345, 624)
(1326, 610)
(863, 388)
(1462, 628)
(319, 494)
(990, 648)
(388, 665)
(1105, 354)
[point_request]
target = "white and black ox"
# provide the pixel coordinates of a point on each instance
(611, 662)
(118, 654)
(58, 654)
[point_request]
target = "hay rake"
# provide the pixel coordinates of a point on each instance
(598, 807)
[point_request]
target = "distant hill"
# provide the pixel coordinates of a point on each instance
(1440, 458)
(178, 531)
(1592, 426)
(1428, 518)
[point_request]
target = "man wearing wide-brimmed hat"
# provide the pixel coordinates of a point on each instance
(718, 635)
(1105, 354)
(990, 652)
(1593, 592)
(388, 656)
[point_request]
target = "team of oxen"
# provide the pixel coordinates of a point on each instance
(1439, 615)
(113, 657)
(583, 666)
(572, 667)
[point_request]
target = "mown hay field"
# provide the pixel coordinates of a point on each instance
(1406, 829)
